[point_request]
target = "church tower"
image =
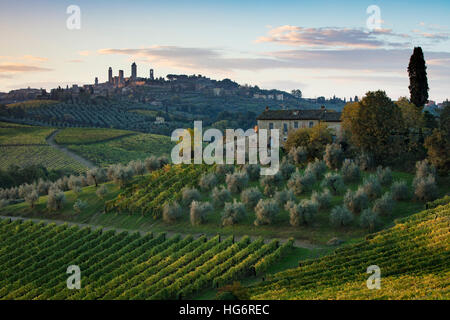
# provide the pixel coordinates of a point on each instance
(134, 71)
(110, 77)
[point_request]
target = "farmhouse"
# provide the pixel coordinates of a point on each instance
(290, 120)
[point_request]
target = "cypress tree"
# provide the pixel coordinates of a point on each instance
(418, 83)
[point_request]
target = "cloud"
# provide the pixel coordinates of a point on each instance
(75, 61)
(17, 67)
(84, 53)
(331, 37)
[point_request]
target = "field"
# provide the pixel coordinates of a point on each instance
(21, 135)
(41, 155)
(413, 257)
(123, 265)
(32, 104)
(108, 146)
(80, 136)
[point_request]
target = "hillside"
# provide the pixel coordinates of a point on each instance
(120, 265)
(413, 256)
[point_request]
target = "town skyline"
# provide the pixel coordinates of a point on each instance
(320, 53)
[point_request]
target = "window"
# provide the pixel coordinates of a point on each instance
(296, 124)
(311, 124)
(270, 125)
(285, 128)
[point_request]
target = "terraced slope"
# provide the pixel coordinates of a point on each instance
(414, 258)
(34, 259)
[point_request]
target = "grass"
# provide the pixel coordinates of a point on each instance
(412, 256)
(16, 135)
(319, 233)
(37, 155)
(79, 136)
(124, 149)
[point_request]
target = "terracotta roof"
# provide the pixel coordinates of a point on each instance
(318, 114)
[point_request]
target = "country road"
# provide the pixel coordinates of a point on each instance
(51, 141)
(297, 243)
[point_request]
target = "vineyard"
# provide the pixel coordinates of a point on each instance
(34, 259)
(148, 196)
(413, 256)
(88, 135)
(41, 155)
(19, 135)
(107, 146)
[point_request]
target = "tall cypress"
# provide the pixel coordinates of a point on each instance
(418, 82)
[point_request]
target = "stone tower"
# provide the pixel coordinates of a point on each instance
(151, 75)
(110, 76)
(134, 71)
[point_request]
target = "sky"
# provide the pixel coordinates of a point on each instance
(323, 48)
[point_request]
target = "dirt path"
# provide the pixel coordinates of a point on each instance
(297, 243)
(51, 141)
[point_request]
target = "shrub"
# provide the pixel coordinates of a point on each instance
(384, 176)
(207, 181)
(372, 187)
(350, 171)
(426, 188)
(56, 199)
(424, 169)
(286, 169)
(334, 182)
(79, 206)
(366, 162)
(3, 203)
(121, 174)
(253, 171)
(369, 220)
(323, 199)
(269, 190)
(220, 196)
(171, 212)
(317, 168)
(333, 156)
(138, 167)
(74, 184)
(384, 205)
(250, 197)
(340, 216)
(236, 182)
(189, 195)
(400, 191)
(303, 213)
(32, 197)
(25, 189)
(289, 205)
(199, 212)
(102, 191)
(271, 180)
(152, 164)
(223, 169)
(300, 183)
(298, 155)
(42, 187)
(356, 201)
(284, 196)
(233, 213)
(266, 210)
(163, 160)
(96, 176)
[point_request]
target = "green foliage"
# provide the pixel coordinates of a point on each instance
(384, 205)
(312, 139)
(56, 199)
(369, 220)
(356, 201)
(284, 196)
(250, 197)
(400, 191)
(172, 212)
(253, 171)
(373, 124)
(189, 195)
(266, 211)
(317, 168)
(334, 156)
(372, 187)
(79, 206)
(303, 213)
(236, 182)
(323, 199)
(384, 176)
(207, 181)
(298, 155)
(334, 182)
(233, 213)
(350, 171)
(340, 217)
(199, 212)
(418, 82)
(286, 169)
(426, 188)
(301, 183)
(101, 191)
(220, 196)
